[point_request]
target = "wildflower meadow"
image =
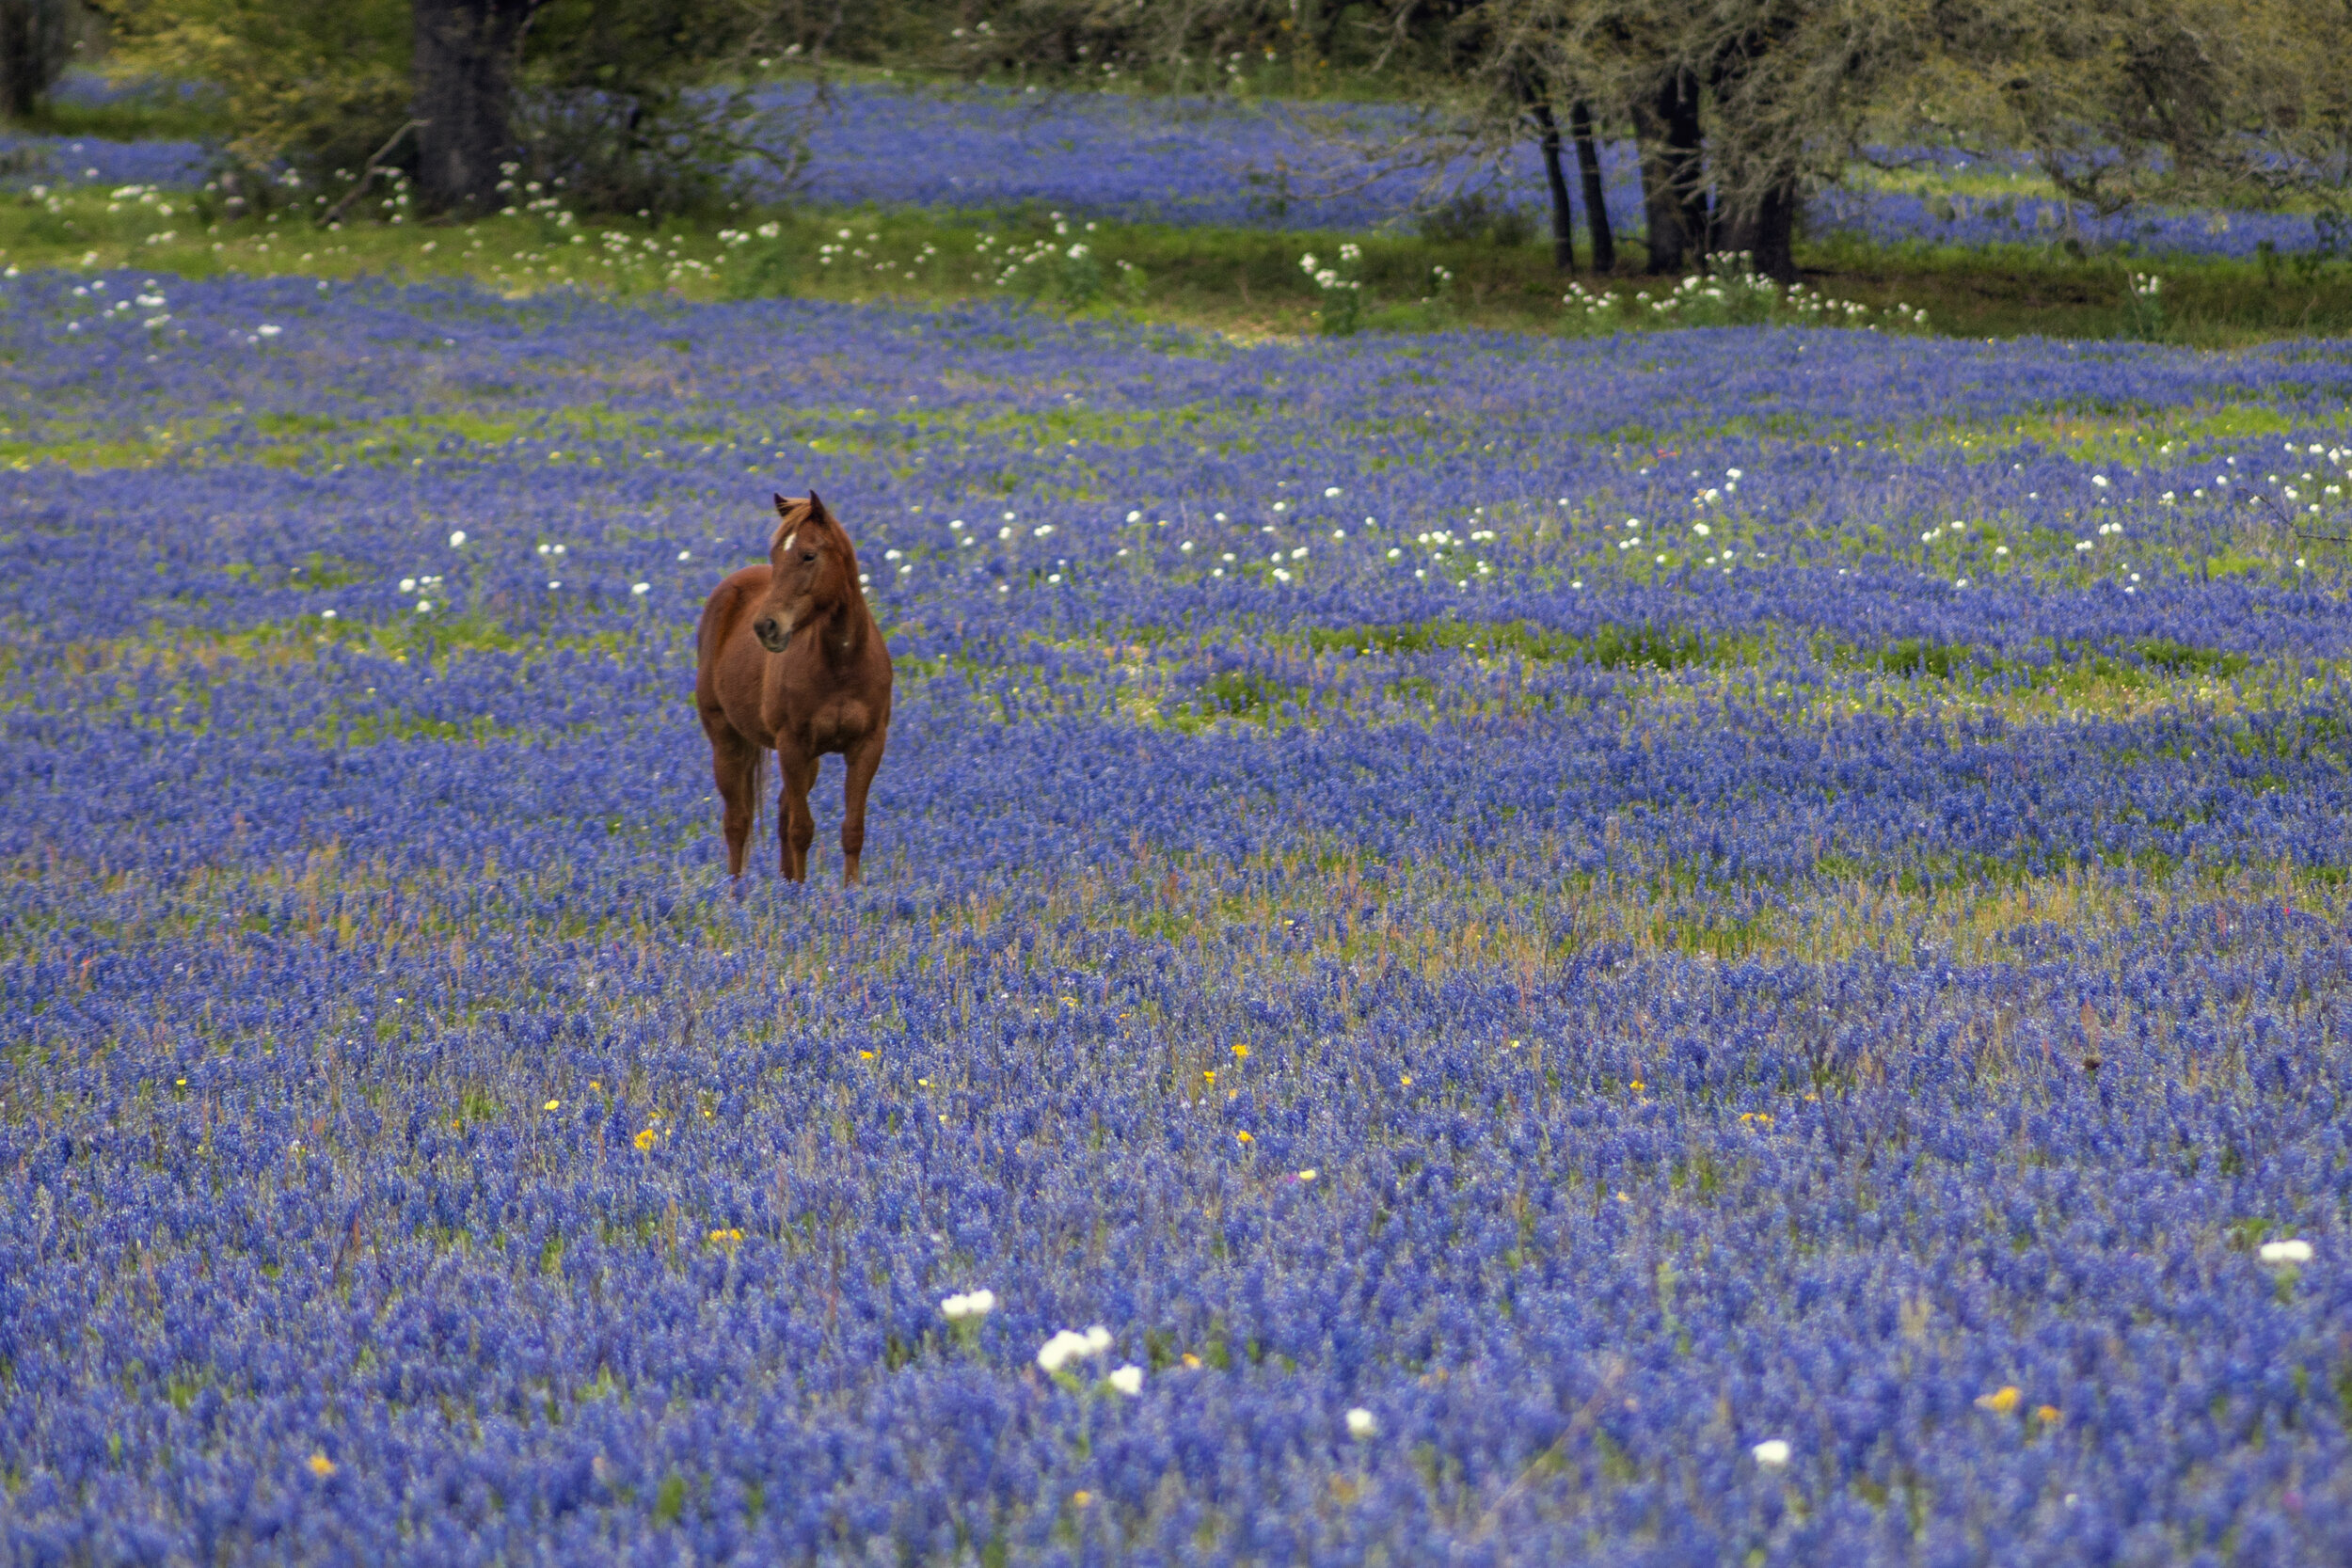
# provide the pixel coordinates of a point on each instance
(1712, 947)
(1270, 164)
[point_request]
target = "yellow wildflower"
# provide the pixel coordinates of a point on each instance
(2047, 1413)
(647, 1139)
(552, 1105)
(2001, 1401)
(1242, 1052)
(1080, 1500)
(1244, 1137)
(321, 1466)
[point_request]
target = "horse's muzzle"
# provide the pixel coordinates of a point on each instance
(771, 633)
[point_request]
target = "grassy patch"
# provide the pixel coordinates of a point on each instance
(1309, 908)
(1245, 281)
(162, 111)
(1611, 647)
(314, 441)
(1235, 694)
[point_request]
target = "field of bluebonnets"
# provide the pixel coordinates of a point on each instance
(1520, 922)
(1211, 161)
(1718, 946)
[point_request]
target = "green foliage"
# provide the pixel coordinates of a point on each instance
(615, 105)
(1340, 310)
(1612, 646)
(1061, 264)
(2143, 306)
(1914, 657)
(2178, 658)
(1237, 694)
(1477, 217)
(769, 270)
(611, 104)
(316, 84)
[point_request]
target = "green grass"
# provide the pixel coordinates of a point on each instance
(158, 113)
(1241, 282)
(1611, 647)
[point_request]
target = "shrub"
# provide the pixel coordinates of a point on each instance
(1471, 216)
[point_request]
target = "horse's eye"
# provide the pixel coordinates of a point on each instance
(808, 555)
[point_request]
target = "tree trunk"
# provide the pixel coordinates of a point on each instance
(1673, 195)
(20, 80)
(465, 73)
(1772, 231)
(1562, 217)
(1755, 210)
(1596, 198)
(36, 39)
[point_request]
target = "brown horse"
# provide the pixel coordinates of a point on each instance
(790, 660)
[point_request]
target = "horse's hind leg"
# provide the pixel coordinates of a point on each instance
(735, 767)
(864, 760)
(799, 824)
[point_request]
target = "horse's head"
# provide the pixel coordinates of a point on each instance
(811, 571)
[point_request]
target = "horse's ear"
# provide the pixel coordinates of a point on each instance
(816, 513)
(784, 520)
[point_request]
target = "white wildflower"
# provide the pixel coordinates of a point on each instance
(1068, 1345)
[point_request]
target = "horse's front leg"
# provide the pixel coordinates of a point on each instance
(798, 825)
(863, 759)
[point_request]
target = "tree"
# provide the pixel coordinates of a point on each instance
(1183, 46)
(1595, 196)
(463, 58)
(1499, 70)
(1555, 181)
(2120, 102)
(604, 97)
(314, 86)
(625, 107)
(37, 39)
(1667, 129)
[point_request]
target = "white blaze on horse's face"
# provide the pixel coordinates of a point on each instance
(793, 574)
(785, 617)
